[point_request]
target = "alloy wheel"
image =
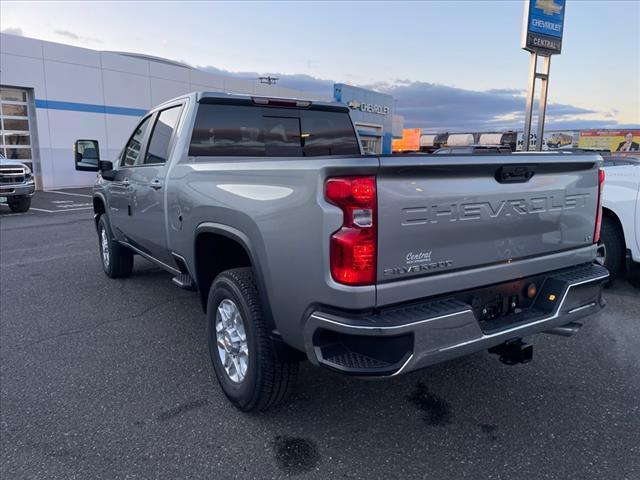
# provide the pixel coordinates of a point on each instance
(231, 340)
(104, 246)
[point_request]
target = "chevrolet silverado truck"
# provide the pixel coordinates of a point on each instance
(16, 185)
(301, 247)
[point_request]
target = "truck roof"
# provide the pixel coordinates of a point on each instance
(203, 95)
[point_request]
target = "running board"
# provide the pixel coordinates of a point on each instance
(184, 281)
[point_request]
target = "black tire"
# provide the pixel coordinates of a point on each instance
(612, 238)
(19, 205)
(268, 380)
(118, 262)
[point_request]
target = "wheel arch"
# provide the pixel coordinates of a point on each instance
(608, 213)
(99, 207)
(239, 252)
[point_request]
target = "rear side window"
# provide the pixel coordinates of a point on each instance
(239, 130)
(161, 135)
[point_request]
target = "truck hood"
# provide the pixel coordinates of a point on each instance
(5, 162)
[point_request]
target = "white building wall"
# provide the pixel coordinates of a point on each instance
(73, 87)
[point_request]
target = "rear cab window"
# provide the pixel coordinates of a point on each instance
(249, 130)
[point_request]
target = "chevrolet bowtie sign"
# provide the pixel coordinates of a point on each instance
(368, 107)
(543, 26)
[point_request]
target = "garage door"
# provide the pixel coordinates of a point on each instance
(15, 125)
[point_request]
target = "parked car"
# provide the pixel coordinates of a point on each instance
(373, 266)
(620, 239)
(16, 185)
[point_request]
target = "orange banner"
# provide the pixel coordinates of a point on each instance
(410, 141)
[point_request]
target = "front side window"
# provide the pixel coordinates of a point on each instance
(132, 150)
(158, 150)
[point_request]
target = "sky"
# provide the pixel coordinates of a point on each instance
(451, 65)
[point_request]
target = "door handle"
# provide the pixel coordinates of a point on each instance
(126, 182)
(515, 173)
(156, 184)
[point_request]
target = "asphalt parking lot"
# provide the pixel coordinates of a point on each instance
(111, 379)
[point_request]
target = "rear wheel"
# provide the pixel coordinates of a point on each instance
(117, 260)
(611, 248)
(244, 358)
(19, 205)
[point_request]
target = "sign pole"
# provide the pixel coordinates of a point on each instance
(530, 96)
(543, 26)
(544, 78)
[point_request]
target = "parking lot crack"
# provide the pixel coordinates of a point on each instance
(95, 326)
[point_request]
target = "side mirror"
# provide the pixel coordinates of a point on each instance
(106, 170)
(87, 155)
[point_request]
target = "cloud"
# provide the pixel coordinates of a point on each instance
(300, 81)
(68, 34)
(13, 31)
(442, 107)
(438, 107)
(76, 37)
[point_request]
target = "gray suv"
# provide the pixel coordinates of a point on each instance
(301, 247)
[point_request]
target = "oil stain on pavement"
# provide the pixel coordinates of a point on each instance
(295, 455)
(489, 430)
(435, 410)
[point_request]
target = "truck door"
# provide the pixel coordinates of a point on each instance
(148, 230)
(120, 187)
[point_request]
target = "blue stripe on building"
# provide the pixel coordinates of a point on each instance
(89, 107)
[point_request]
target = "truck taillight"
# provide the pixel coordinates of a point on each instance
(596, 232)
(353, 248)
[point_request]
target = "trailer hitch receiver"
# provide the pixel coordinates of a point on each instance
(513, 352)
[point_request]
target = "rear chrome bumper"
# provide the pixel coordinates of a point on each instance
(411, 337)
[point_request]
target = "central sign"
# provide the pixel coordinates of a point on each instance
(368, 107)
(543, 26)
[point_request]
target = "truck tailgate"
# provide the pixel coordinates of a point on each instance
(442, 214)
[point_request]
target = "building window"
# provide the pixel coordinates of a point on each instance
(15, 131)
(370, 145)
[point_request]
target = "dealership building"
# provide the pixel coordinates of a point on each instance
(52, 94)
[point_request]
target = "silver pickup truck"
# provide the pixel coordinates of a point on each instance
(372, 266)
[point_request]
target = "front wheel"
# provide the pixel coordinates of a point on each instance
(244, 358)
(20, 205)
(117, 260)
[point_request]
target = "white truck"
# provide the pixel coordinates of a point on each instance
(619, 248)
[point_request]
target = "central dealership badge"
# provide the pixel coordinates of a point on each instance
(418, 262)
(419, 257)
(543, 26)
